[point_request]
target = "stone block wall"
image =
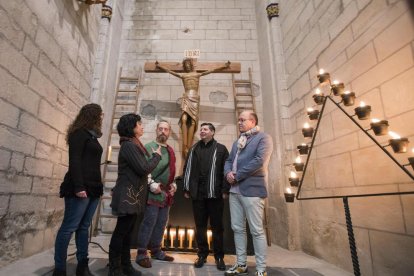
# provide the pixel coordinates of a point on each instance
(46, 61)
(163, 30)
(368, 45)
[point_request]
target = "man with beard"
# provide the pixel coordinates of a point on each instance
(160, 199)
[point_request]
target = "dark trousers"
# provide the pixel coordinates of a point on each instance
(121, 237)
(203, 210)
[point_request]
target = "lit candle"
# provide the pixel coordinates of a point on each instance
(337, 88)
(348, 98)
(363, 111)
(411, 159)
(398, 144)
(318, 97)
(313, 113)
(307, 131)
(209, 235)
(323, 77)
(303, 148)
(380, 127)
(293, 179)
(164, 237)
(181, 233)
(190, 238)
(172, 236)
(109, 154)
(298, 164)
(289, 195)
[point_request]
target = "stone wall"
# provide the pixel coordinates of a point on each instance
(368, 45)
(46, 60)
(162, 30)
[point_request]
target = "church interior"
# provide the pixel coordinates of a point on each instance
(332, 83)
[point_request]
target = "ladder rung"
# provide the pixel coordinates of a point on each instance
(127, 90)
(243, 101)
(129, 78)
(241, 81)
(244, 94)
(132, 104)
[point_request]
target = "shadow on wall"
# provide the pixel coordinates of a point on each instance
(411, 5)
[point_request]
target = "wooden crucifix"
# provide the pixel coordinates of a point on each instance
(190, 74)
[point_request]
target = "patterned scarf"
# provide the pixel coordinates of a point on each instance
(241, 143)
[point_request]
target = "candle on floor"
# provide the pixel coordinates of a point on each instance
(181, 233)
(172, 236)
(190, 238)
(209, 235)
(289, 195)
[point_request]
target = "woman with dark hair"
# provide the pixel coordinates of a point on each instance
(129, 193)
(81, 187)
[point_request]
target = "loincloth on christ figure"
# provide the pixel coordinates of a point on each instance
(190, 105)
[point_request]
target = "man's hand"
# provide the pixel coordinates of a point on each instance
(157, 64)
(158, 190)
(228, 64)
(157, 151)
(172, 190)
(186, 194)
(81, 194)
(231, 178)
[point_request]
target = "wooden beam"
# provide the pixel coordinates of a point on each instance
(235, 67)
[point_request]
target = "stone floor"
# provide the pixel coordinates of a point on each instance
(280, 262)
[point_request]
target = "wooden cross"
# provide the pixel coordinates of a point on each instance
(190, 73)
(200, 67)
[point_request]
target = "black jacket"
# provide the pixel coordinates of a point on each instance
(130, 191)
(84, 173)
(218, 184)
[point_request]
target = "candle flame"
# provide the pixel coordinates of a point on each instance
(317, 91)
(181, 232)
(374, 120)
(347, 92)
(190, 232)
(310, 109)
(298, 160)
(306, 125)
(394, 135)
(172, 232)
(321, 71)
(303, 144)
(289, 191)
(362, 104)
(293, 175)
(412, 150)
(335, 82)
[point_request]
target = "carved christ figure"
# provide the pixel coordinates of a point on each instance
(191, 99)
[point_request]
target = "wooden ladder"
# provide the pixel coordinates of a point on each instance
(243, 96)
(126, 101)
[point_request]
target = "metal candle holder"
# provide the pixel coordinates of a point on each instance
(348, 98)
(399, 145)
(363, 112)
(338, 88)
(380, 128)
(303, 149)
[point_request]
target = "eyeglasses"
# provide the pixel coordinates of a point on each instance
(243, 120)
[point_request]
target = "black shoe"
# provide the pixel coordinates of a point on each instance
(200, 261)
(220, 264)
(58, 272)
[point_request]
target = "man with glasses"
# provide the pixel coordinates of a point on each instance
(204, 183)
(246, 171)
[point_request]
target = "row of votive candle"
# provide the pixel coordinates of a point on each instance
(177, 237)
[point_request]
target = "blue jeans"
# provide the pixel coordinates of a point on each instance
(77, 218)
(151, 231)
(250, 208)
